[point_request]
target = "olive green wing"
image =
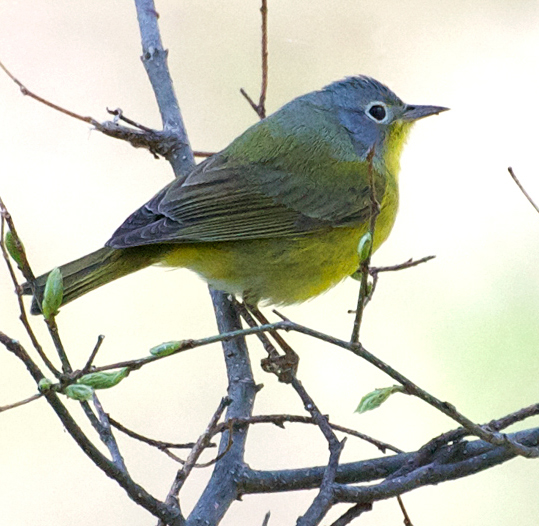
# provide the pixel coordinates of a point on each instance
(232, 196)
(210, 206)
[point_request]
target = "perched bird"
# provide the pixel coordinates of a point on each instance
(277, 215)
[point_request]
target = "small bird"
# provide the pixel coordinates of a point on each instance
(276, 216)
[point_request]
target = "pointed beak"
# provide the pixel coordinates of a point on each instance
(413, 113)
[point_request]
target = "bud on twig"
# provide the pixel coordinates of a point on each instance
(52, 297)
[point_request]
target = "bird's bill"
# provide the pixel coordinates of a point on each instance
(414, 112)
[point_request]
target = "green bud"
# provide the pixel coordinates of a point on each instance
(376, 398)
(44, 385)
(79, 392)
(54, 291)
(13, 249)
(364, 247)
(166, 349)
(104, 379)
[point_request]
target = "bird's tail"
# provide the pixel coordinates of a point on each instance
(93, 270)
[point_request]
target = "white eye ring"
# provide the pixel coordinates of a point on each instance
(378, 112)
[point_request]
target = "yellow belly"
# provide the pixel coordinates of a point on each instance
(282, 270)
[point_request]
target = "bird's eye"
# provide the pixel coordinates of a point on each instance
(377, 112)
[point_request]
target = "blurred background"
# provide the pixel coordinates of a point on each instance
(463, 326)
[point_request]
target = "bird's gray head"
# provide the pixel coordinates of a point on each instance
(373, 115)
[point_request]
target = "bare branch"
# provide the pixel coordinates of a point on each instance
(58, 345)
(223, 484)
(407, 521)
(25, 266)
(260, 107)
(513, 418)
(401, 266)
(363, 296)
(411, 388)
(186, 345)
(201, 444)
(515, 178)
(136, 492)
(27, 271)
(159, 444)
(264, 87)
(21, 402)
(324, 500)
(452, 461)
(280, 420)
(164, 143)
(106, 435)
(93, 354)
(26, 91)
(353, 513)
(154, 58)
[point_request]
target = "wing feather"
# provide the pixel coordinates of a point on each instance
(230, 196)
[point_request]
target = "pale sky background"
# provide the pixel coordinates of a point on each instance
(463, 327)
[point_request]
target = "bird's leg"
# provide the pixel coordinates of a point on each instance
(245, 313)
(283, 366)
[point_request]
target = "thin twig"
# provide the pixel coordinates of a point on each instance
(27, 271)
(159, 444)
(107, 436)
(26, 91)
(188, 345)
(260, 107)
(93, 354)
(202, 464)
(515, 178)
(413, 389)
(426, 452)
(375, 271)
(119, 114)
(135, 491)
(353, 513)
(164, 143)
(219, 456)
(401, 266)
(407, 521)
(101, 424)
(324, 499)
(201, 444)
(280, 420)
(251, 102)
(58, 345)
(21, 402)
(264, 87)
(513, 418)
(363, 295)
(25, 266)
